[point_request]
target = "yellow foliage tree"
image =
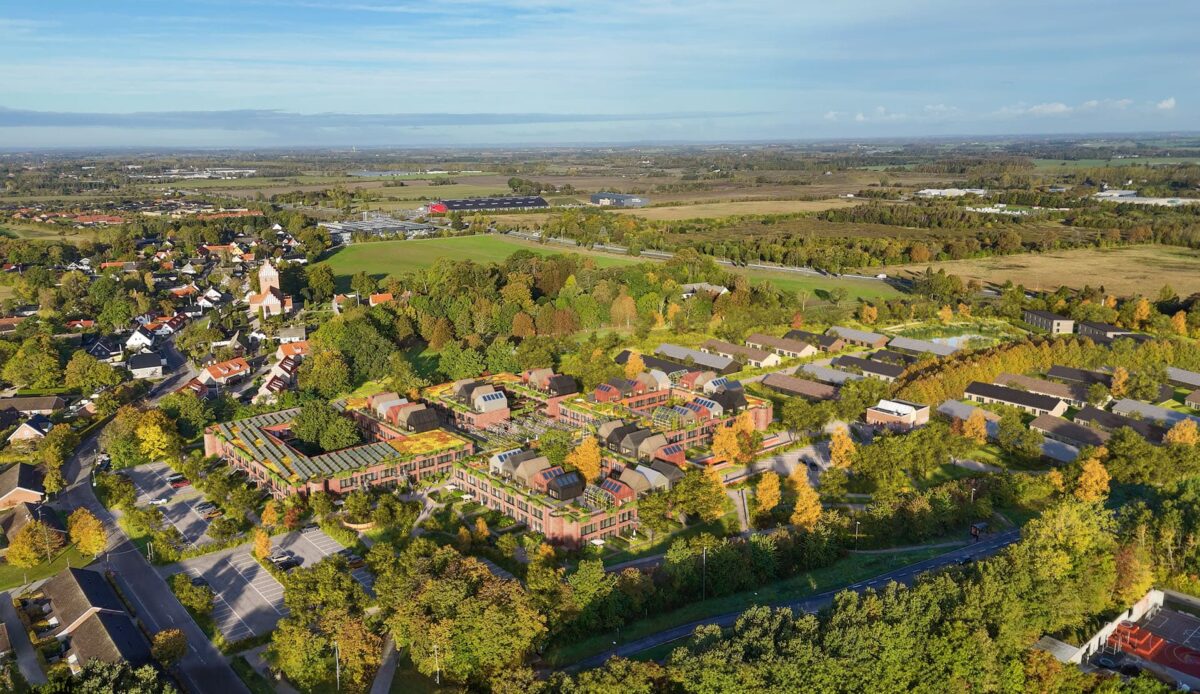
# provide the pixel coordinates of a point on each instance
(807, 510)
(262, 544)
(841, 449)
(1110, 301)
(975, 427)
(1055, 478)
(1141, 312)
(868, 314)
(1092, 484)
(586, 458)
(1179, 322)
(1120, 382)
(33, 544)
(726, 445)
(767, 491)
(271, 514)
(87, 532)
(481, 533)
(634, 366)
(964, 310)
(159, 437)
(945, 315)
(1184, 433)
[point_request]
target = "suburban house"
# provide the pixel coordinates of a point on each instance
(34, 428)
(105, 350)
(687, 291)
(921, 347)
(1067, 432)
(1193, 399)
(226, 372)
(1033, 403)
(869, 367)
(24, 512)
(139, 339)
(825, 343)
(33, 404)
(958, 411)
(1164, 416)
(91, 620)
(299, 350)
(292, 334)
(1111, 421)
(146, 365)
(836, 377)
(1073, 375)
(1075, 394)
(897, 415)
(757, 358)
(1182, 378)
(700, 359)
(800, 387)
(859, 338)
(1050, 322)
(1104, 332)
(784, 347)
(20, 483)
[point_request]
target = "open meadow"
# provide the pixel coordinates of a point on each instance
(1122, 271)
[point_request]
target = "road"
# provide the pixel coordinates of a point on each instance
(19, 640)
(203, 669)
(905, 575)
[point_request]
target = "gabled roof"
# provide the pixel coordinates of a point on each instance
(704, 359)
(20, 476)
(1013, 396)
(73, 592)
(145, 360)
(112, 638)
(857, 335)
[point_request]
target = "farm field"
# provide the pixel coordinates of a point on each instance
(1122, 271)
(726, 209)
(1061, 164)
(34, 233)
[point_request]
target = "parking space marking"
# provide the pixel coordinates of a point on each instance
(236, 628)
(255, 587)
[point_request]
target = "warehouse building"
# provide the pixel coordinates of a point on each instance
(506, 202)
(618, 200)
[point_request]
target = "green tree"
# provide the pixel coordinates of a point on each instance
(169, 646)
(89, 374)
(197, 599)
(300, 654)
(325, 373)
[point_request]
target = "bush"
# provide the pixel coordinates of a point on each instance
(339, 532)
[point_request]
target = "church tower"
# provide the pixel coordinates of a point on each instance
(268, 278)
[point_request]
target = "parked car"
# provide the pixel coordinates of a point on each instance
(353, 559)
(199, 581)
(159, 501)
(178, 481)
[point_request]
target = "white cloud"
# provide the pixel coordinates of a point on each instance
(1166, 104)
(859, 118)
(832, 115)
(1055, 108)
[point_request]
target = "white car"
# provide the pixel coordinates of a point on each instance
(159, 501)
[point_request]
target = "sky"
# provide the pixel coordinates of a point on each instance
(269, 73)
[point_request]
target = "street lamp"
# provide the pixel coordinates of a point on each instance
(856, 524)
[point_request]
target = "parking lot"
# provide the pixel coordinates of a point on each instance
(151, 483)
(248, 600)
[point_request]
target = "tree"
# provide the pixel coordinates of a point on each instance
(117, 491)
(725, 444)
(87, 532)
(300, 653)
(1179, 322)
(1184, 433)
(841, 449)
(403, 377)
(88, 373)
(1092, 484)
(1141, 312)
(1120, 382)
(357, 506)
(99, 676)
(325, 372)
(359, 650)
(159, 437)
(34, 543)
(945, 314)
(271, 514)
(767, 491)
(624, 311)
(701, 494)
(35, 364)
(975, 427)
(262, 544)
(170, 645)
(586, 458)
(197, 599)
(321, 282)
(634, 366)
(868, 314)
(807, 510)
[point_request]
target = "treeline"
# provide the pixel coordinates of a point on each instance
(525, 186)
(921, 216)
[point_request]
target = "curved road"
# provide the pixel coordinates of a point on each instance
(203, 669)
(905, 575)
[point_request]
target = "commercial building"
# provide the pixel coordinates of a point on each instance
(1050, 322)
(376, 225)
(618, 200)
(507, 202)
(990, 393)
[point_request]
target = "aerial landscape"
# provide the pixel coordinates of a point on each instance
(527, 346)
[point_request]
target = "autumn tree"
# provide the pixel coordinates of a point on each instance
(623, 312)
(158, 435)
(586, 458)
(1141, 312)
(807, 509)
(1179, 322)
(945, 314)
(1092, 484)
(841, 449)
(262, 544)
(271, 514)
(700, 494)
(975, 427)
(1184, 433)
(169, 646)
(868, 314)
(87, 532)
(1120, 382)
(634, 366)
(725, 444)
(767, 491)
(34, 543)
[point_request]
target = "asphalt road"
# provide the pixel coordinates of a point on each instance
(905, 575)
(203, 669)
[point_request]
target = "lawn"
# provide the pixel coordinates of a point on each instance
(387, 258)
(12, 576)
(852, 569)
(1122, 271)
(725, 525)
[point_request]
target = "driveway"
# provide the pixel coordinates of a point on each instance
(26, 657)
(151, 483)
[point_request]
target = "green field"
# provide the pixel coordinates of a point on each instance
(1065, 164)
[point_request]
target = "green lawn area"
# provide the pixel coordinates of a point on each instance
(945, 473)
(12, 576)
(852, 569)
(385, 258)
(819, 287)
(725, 525)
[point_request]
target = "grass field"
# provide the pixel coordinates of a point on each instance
(1122, 271)
(1051, 165)
(34, 233)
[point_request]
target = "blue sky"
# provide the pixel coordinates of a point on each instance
(447, 72)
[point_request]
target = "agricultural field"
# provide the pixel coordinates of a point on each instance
(1052, 165)
(1122, 271)
(35, 233)
(728, 209)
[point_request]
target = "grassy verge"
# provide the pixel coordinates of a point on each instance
(12, 576)
(256, 683)
(725, 525)
(409, 681)
(852, 569)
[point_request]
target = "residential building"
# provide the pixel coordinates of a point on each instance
(921, 347)
(20, 483)
(784, 347)
(1163, 416)
(687, 291)
(898, 415)
(1050, 322)
(1182, 378)
(140, 339)
(146, 365)
(34, 428)
(1073, 375)
(757, 358)
(506, 202)
(1193, 400)
(960, 411)
(104, 349)
(800, 387)
(1033, 403)
(698, 358)
(261, 445)
(1103, 332)
(869, 367)
(836, 377)
(88, 616)
(1068, 432)
(1075, 394)
(859, 338)
(1111, 421)
(292, 334)
(471, 404)
(826, 343)
(227, 372)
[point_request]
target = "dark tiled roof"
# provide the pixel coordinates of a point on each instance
(20, 475)
(110, 637)
(73, 592)
(31, 403)
(1077, 434)
(1067, 373)
(1110, 421)
(1012, 395)
(800, 386)
(868, 366)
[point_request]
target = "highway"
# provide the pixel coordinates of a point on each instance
(986, 547)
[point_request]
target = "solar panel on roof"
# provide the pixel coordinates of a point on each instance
(493, 396)
(673, 449)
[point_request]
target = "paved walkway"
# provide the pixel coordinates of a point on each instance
(387, 670)
(19, 638)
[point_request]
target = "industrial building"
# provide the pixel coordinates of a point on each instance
(507, 202)
(618, 200)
